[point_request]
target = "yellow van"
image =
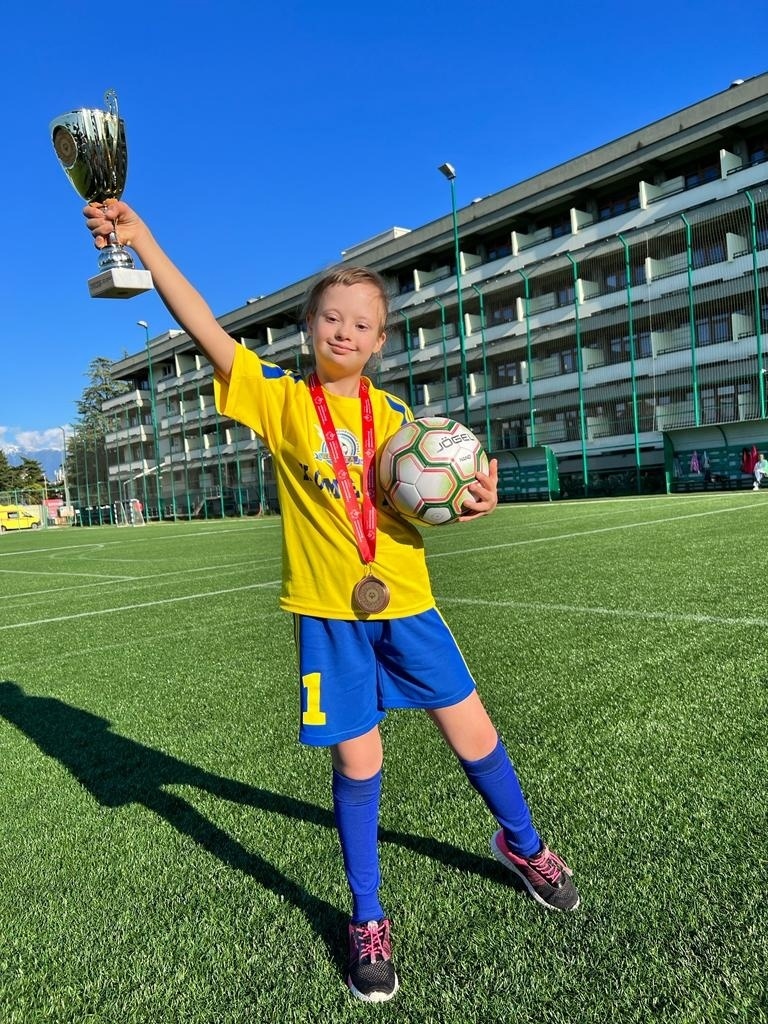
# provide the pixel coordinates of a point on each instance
(16, 517)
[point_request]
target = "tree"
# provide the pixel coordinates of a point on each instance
(6, 472)
(86, 457)
(30, 474)
(103, 386)
(28, 478)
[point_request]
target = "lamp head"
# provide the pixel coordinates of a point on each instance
(142, 323)
(448, 170)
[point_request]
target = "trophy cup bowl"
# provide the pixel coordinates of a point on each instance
(91, 147)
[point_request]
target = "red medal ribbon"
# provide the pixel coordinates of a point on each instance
(363, 520)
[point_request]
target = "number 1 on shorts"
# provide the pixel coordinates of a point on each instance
(313, 715)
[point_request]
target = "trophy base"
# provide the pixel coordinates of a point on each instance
(120, 283)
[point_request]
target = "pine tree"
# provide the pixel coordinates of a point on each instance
(28, 478)
(103, 386)
(30, 474)
(6, 473)
(86, 457)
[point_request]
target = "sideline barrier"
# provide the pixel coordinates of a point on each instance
(527, 474)
(710, 457)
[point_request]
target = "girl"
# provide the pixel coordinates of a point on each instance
(368, 634)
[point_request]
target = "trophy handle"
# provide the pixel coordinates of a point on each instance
(110, 101)
(110, 98)
(114, 256)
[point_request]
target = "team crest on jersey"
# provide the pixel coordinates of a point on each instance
(350, 449)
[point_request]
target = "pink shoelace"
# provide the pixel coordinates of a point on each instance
(549, 865)
(373, 941)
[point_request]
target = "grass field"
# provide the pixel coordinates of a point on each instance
(167, 848)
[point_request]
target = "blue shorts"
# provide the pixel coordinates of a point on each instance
(351, 671)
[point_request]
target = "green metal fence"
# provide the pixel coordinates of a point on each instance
(652, 330)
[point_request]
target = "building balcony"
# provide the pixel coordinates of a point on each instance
(137, 399)
(126, 435)
(284, 341)
(194, 376)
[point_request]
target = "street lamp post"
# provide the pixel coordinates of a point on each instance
(481, 297)
(64, 467)
(448, 171)
(155, 432)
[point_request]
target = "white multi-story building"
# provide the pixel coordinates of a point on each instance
(605, 325)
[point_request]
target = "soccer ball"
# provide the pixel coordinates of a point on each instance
(427, 466)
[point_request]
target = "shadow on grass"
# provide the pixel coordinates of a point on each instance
(117, 771)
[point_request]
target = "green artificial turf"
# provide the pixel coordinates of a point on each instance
(168, 852)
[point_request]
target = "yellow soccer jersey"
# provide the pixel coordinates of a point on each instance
(321, 562)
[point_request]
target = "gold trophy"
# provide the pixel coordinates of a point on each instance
(90, 145)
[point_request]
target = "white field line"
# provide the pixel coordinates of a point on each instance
(628, 499)
(245, 528)
(134, 607)
(218, 569)
(62, 572)
(111, 543)
(587, 533)
(625, 613)
(537, 606)
(57, 551)
(563, 512)
(145, 640)
(490, 547)
(619, 613)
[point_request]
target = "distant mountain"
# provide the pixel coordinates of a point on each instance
(49, 458)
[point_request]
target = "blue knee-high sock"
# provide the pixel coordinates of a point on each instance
(496, 781)
(356, 810)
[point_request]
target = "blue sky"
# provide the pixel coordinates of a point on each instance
(266, 138)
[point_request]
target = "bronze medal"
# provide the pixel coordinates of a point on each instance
(370, 595)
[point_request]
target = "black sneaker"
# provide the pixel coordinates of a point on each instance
(371, 973)
(545, 875)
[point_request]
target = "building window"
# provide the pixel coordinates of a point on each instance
(568, 360)
(721, 327)
(757, 150)
(502, 315)
(572, 425)
(623, 418)
(643, 346)
(499, 247)
(637, 274)
(506, 374)
(619, 348)
(702, 174)
(704, 255)
(613, 281)
(711, 330)
(513, 434)
(726, 403)
(562, 226)
(614, 206)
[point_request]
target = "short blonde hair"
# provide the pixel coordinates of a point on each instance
(347, 276)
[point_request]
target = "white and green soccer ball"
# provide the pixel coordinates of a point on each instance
(427, 466)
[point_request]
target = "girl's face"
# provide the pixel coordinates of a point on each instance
(346, 331)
